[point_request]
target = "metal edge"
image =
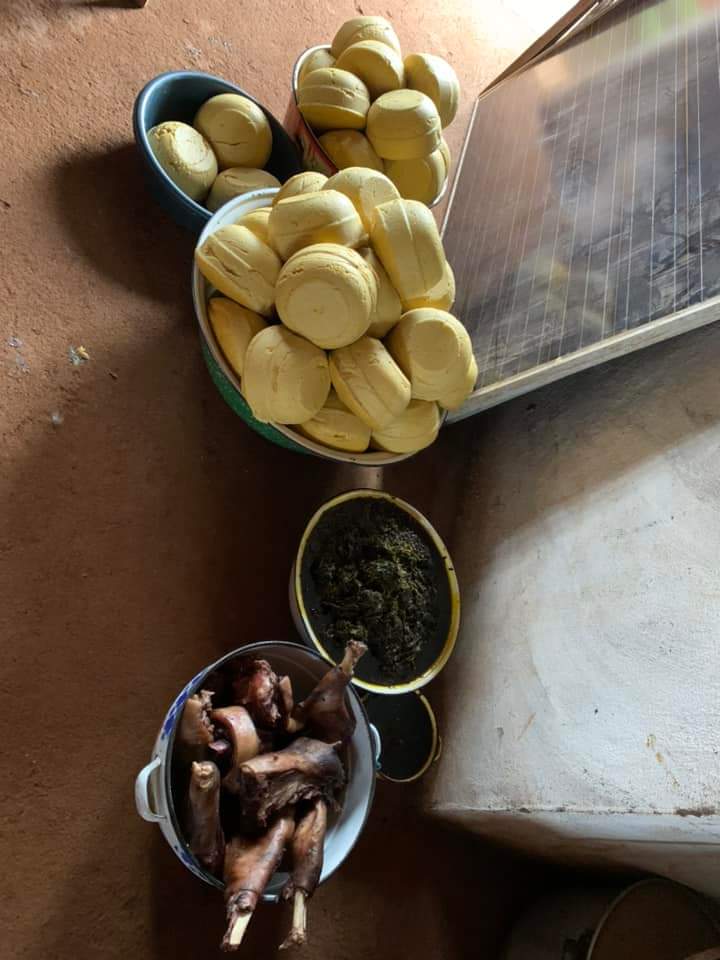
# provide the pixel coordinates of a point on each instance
(434, 669)
(691, 318)
(294, 96)
(296, 74)
(458, 168)
(433, 754)
(556, 32)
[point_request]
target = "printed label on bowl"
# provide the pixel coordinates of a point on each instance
(313, 156)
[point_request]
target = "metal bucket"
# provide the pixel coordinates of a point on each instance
(153, 785)
(225, 378)
(312, 154)
(301, 615)
(654, 919)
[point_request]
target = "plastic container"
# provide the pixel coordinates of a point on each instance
(153, 786)
(178, 95)
(225, 377)
(366, 675)
(313, 155)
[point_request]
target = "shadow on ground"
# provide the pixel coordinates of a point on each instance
(113, 221)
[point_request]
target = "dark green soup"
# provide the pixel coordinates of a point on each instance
(371, 573)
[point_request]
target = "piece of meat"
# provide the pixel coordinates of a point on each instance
(267, 741)
(255, 686)
(307, 848)
(221, 752)
(249, 865)
(324, 712)
(239, 730)
(304, 770)
(196, 729)
(286, 700)
(219, 683)
(194, 734)
(220, 748)
(204, 832)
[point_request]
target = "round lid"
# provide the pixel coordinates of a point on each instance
(409, 739)
(656, 920)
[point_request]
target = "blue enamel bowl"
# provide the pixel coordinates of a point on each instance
(178, 95)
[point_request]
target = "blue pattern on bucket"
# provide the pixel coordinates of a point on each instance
(186, 858)
(177, 706)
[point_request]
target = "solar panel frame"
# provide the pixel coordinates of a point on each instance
(585, 161)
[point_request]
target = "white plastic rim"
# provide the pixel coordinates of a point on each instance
(228, 214)
(304, 667)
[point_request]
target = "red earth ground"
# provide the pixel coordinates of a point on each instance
(144, 528)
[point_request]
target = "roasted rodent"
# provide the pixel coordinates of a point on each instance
(249, 865)
(267, 697)
(304, 770)
(196, 729)
(324, 712)
(204, 831)
(306, 850)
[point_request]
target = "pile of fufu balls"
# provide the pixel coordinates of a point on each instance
(221, 155)
(334, 313)
(372, 108)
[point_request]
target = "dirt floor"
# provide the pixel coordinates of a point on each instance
(144, 528)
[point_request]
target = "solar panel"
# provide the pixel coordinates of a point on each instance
(585, 218)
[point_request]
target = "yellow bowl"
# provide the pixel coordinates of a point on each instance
(302, 615)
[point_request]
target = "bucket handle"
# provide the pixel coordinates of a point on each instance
(376, 745)
(712, 954)
(142, 792)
